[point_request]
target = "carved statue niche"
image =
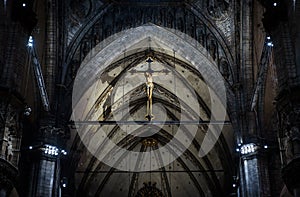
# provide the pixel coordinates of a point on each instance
(9, 150)
(85, 47)
(292, 143)
(190, 27)
(200, 34)
(149, 15)
(190, 30)
(160, 17)
(100, 33)
(155, 16)
(107, 31)
(139, 18)
(212, 47)
(118, 26)
(96, 39)
(180, 24)
(74, 64)
(217, 8)
(224, 69)
(129, 22)
(179, 17)
(80, 8)
(11, 133)
(12, 122)
(170, 19)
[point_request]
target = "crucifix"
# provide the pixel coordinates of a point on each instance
(149, 73)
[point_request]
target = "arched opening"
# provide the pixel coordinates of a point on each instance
(125, 149)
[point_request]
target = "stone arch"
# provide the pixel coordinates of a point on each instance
(106, 53)
(111, 49)
(166, 18)
(166, 33)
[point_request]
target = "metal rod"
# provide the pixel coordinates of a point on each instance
(39, 77)
(154, 171)
(153, 122)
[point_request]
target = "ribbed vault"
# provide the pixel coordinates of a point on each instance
(119, 93)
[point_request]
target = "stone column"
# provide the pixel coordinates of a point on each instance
(254, 176)
(44, 170)
(51, 42)
(45, 154)
(253, 168)
(249, 178)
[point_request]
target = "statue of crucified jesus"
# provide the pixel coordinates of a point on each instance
(149, 73)
(149, 89)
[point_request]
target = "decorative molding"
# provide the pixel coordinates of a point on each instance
(149, 189)
(218, 9)
(150, 142)
(119, 17)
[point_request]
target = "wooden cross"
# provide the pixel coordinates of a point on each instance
(149, 73)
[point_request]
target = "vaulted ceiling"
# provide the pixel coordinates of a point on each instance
(159, 158)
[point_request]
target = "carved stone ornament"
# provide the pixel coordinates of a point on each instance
(51, 131)
(294, 133)
(149, 189)
(217, 8)
(8, 175)
(80, 8)
(292, 144)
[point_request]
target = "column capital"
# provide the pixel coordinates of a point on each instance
(252, 150)
(52, 133)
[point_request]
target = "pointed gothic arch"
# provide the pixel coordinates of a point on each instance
(120, 49)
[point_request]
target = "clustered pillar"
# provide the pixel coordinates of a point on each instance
(46, 153)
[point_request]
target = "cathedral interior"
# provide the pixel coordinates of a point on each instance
(149, 98)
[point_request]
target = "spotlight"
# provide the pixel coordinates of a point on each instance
(64, 182)
(30, 147)
(51, 150)
(237, 150)
(24, 4)
(30, 41)
(266, 146)
(63, 152)
(248, 148)
(27, 111)
(274, 4)
(268, 37)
